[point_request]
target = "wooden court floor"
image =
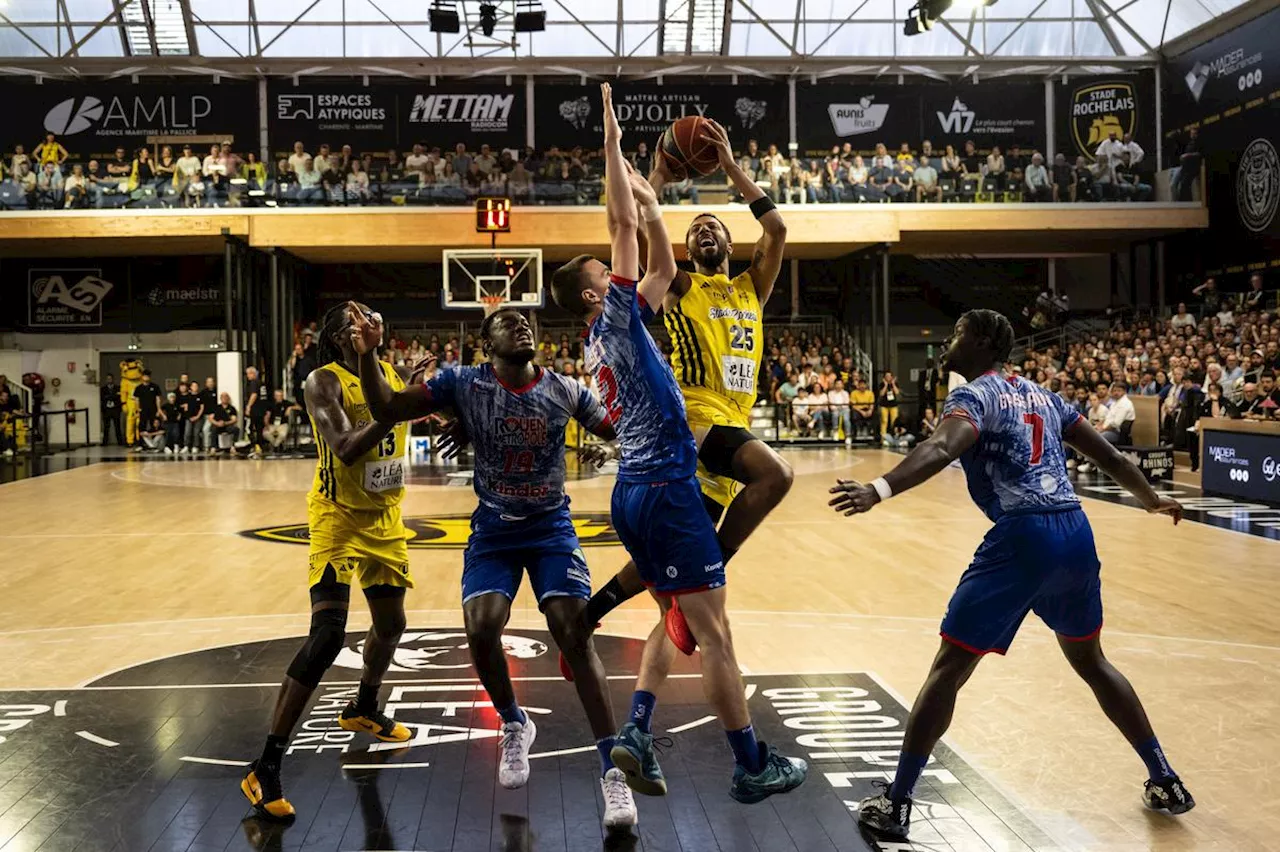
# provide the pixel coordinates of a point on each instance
(113, 566)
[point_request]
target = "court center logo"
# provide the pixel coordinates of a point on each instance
(422, 651)
(1100, 109)
(1258, 185)
(450, 532)
(866, 116)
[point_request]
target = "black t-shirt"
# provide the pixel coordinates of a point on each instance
(1016, 161)
(208, 399)
(190, 403)
(172, 412)
(1062, 174)
(258, 386)
(110, 397)
(224, 413)
(278, 411)
(644, 164)
(1125, 173)
(888, 397)
(972, 165)
(148, 397)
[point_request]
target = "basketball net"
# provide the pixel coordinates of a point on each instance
(492, 303)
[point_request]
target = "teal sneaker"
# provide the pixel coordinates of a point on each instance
(633, 753)
(779, 775)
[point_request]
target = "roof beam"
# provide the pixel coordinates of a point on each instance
(188, 21)
(761, 21)
(1107, 32)
(1122, 22)
(1193, 38)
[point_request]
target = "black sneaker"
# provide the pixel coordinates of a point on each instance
(261, 786)
(373, 722)
(882, 815)
(1168, 795)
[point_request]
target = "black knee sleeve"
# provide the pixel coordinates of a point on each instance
(328, 635)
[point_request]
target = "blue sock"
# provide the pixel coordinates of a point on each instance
(904, 780)
(1153, 756)
(605, 746)
(746, 751)
(642, 704)
(513, 713)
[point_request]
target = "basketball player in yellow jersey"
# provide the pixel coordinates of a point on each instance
(357, 535)
(717, 337)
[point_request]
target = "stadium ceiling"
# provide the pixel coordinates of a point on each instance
(638, 38)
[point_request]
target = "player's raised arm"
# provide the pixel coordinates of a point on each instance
(766, 259)
(660, 268)
(952, 438)
(1086, 440)
(323, 393)
(385, 404)
(659, 177)
(620, 204)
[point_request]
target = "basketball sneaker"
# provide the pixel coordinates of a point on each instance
(881, 815)
(1168, 795)
(373, 722)
(517, 739)
(633, 752)
(619, 804)
(263, 790)
(778, 775)
(678, 629)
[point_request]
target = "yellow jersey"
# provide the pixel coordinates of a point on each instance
(375, 481)
(717, 339)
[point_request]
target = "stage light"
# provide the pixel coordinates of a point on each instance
(443, 17)
(922, 15)
(530, 17)
(488, 18)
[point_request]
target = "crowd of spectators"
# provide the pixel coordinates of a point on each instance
(1217, 357)
(50, 177)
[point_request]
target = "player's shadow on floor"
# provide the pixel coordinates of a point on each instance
(518, 837)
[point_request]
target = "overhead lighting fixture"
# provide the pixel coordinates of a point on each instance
(530, 17)
(443, 17)
(921, 16)
(488, 18)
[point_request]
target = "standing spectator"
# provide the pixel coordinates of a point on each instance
(1132, 148)
(192, 405)
(1210, 298)
(839, 416)
(208, 402)
(300, 366)
(863, 402)
(1109, 151)
(255, 397)
(926, 180)
(147, 393)
(222, 420)
(1185, 174)
(1037, 181)
(109, 405)
(1064, 179)
(643, 160)
(1255, 298)
(19, 159)
(50, 151)
(889, 397)
(171, 412)
(275, 426)
(190, 186)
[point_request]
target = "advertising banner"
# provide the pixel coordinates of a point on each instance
(473, 115)
(990, 114)
(862, 115)
(566, 116)
(335, 113)
(1242, 465)
(92, 118)
(1089, 109)
(1237, 68)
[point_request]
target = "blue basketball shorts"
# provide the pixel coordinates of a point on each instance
(501, 550)
(668, 533)
(1043, 562)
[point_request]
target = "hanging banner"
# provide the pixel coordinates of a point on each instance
(333, 113)
(92, 118)
(990, 114)
(862, 115)
(470, 114)
(1089, 109)
(567, 116)
(1210, 82)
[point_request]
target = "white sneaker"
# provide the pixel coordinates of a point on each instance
(517, 739)
(168, 451)
(1071, 464)
(619, 804)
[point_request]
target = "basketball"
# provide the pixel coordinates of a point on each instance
(685, 151)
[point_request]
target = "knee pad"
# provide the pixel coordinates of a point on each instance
(328, 635)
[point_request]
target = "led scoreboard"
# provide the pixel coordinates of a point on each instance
(493, 215)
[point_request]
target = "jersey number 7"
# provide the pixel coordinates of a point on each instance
(1036, 422)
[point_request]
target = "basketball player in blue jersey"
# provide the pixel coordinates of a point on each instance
(657, 505)
(515, 414)
(1039, 556)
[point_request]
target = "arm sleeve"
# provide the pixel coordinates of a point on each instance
(623, 302)
(442, 388)
(588, 411)
(1066, 413)
(967, 404)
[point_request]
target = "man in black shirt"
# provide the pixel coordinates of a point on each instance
(1185, 174)
(1064, 179)
(276, 421)
(255, 397)
(643, 160)
(1128, 182)
(223, 419)
(1084, 181)
(173, 421)
(208, 401)
(109, 400)
(969, 160)
(192, 409)
(1015, 159)
(148, 396)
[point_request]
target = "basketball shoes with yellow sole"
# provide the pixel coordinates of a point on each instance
(263, 790)
(373, 722)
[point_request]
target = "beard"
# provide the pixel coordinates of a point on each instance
(709, 258)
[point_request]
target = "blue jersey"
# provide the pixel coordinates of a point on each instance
(517, 433)
(1018, 463)
(639, 391)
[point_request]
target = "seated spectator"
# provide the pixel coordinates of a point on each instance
(840, 420)
(253, 172)
(1084, 175)
(275, 427)
(118, 169)
(905, 160)
(788, 390)
(1129, 185)
(971, 162)
(1253, 404)
(190, 181)
(297, 158)
(926, 181)
(996, 165)
(951, 164)
(1064, 179)
(882, 183)
(1015, 159)
(142, 172)
(801, 415)
(309, 189)
(49, 186)
(904, 183)
(820, 410)
(1036, 179)
(166, 171)
(1119, 413)
(19, 159)
(899, 436)
(151, 433)
(357, 183)
(863, 402)
(76, 188)
(223, 419)
(928, 424)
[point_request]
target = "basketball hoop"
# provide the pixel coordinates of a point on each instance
(492, 302)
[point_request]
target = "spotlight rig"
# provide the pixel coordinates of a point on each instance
(921, 16)
(526, 16)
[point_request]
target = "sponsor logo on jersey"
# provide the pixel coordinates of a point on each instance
(450, 532)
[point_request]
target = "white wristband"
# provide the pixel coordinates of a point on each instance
(882, 487)
(651, 212)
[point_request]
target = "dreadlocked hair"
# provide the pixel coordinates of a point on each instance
(984, 322)
(328, 351)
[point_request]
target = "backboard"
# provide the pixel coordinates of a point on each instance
(470, 275)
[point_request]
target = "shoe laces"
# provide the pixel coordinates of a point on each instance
(512, 734)
(616, 793)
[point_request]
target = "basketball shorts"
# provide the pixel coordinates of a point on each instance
(1043, 562)
(368, 547)
(500, 551)
(670, 536)
(718, 442)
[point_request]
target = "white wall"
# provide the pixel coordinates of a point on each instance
(173, 341)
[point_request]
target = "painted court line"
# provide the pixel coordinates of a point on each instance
(94, 738)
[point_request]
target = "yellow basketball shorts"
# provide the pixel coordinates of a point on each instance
(702, 414)
(369, 547)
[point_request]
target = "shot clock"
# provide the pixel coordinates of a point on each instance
(493, 215)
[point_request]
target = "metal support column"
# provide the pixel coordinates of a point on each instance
(885, 274)
(228, 297)
(795, 288)
(276, 343)
(874, 349)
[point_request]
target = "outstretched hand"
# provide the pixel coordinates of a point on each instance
(853, 498)
(612, 130)
(718, 136)
(594, 455)
(453, 439)
(1166, 506)
(366, 329)
(644, 193)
